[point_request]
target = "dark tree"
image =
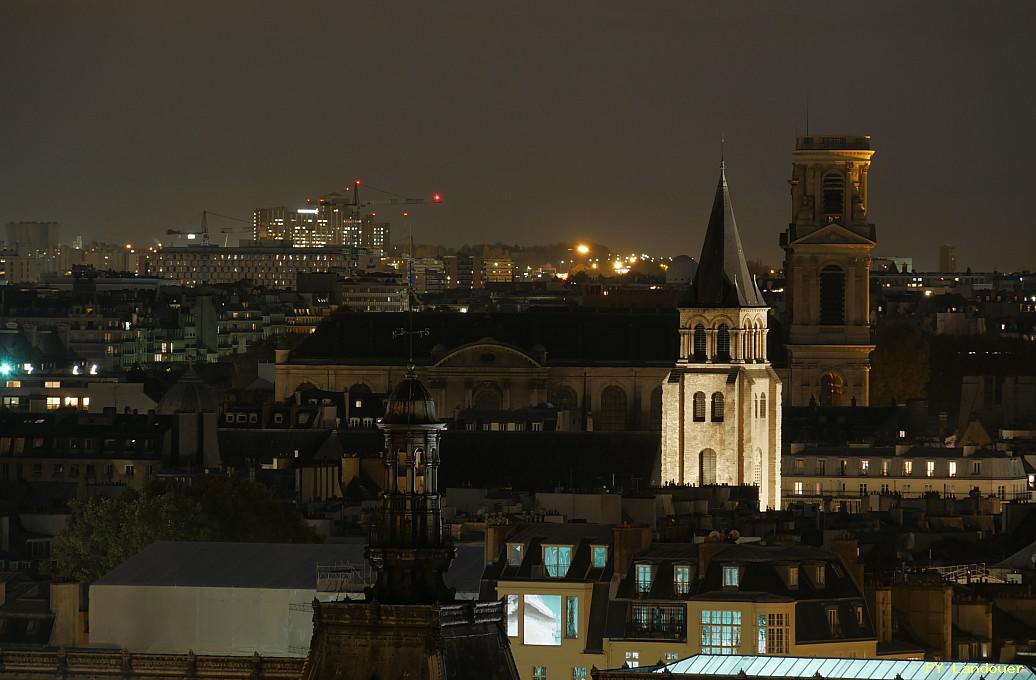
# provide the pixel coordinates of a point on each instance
(103, 532)
(899, 365)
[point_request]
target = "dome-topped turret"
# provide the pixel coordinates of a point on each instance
(188, 395)
(410, 404)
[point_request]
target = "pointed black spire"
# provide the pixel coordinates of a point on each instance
(722, 279)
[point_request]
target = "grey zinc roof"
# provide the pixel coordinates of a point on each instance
(837, 669)
(261, 565)
(722, 279)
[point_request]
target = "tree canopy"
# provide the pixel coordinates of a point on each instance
(104, 531)
(899, 365)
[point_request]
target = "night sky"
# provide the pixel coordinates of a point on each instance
(538, 121)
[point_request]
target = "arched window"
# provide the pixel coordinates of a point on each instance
(762, 405)
(832, 387)
(700, 351)
(834, 194)
(832, 295)
(402, 473)
(717, 407)
(699, 407)
(707, 466)
(486, 398)
(613, 409)
(723, 344)
(564, 398)
(656, 409)
(419, 462)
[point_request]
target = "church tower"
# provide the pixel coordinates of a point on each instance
(408, 547)
(409, 624)
(827, 263)
(721, 404)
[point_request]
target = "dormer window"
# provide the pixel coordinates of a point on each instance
(819, 575)
(557, 559)
(682, 579)
(645, 574)
(731, 576)
(793, 576)
(599, 556)
(514, 554)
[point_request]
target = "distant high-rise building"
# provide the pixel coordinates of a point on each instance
(827, 264)
(33, 237)
(498, 270)
(322, 225)
(429, 275)
(947, 258)
(462, 271)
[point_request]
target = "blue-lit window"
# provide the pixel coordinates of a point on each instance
(579, 673)
(720, 632)
(731, 576)
(557, 559)
(600, 556)
(571, 616)
(644, 578)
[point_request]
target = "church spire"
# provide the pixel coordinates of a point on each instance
(723, 279)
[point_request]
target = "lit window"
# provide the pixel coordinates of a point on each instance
(773, 637)
(14, 383)
(865, 465)
(833, 622)
(908, 467)
(571, 616)
(731, 576)
(600, 556)
(720, 632)
(929, 468)
(682, 579)
(798, 488)
(633, 659)
(819, 574)
(953, 468)
(512, 616)
(884, 468)
(542, 620)
(557, 559)
(579, 673)
(644, 578)
(71, 401)
(53, 403)
(539, 673)
(53, 384)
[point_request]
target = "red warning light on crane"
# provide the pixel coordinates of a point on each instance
(356, 182)
(436, 198)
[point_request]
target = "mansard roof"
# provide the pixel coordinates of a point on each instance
(723, 279)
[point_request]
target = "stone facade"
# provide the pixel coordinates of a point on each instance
(721, 404)
(732, 435)
(827, 263)
(491, 375)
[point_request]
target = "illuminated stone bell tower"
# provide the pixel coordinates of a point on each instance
(827, 263)
(721, 403)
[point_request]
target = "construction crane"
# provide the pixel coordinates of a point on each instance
(354, 202)
(203, 232)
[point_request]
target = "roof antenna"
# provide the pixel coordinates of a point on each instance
(807, 115)
(409, 331)
(722, 151)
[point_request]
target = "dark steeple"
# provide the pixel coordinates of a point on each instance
(722, 279)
